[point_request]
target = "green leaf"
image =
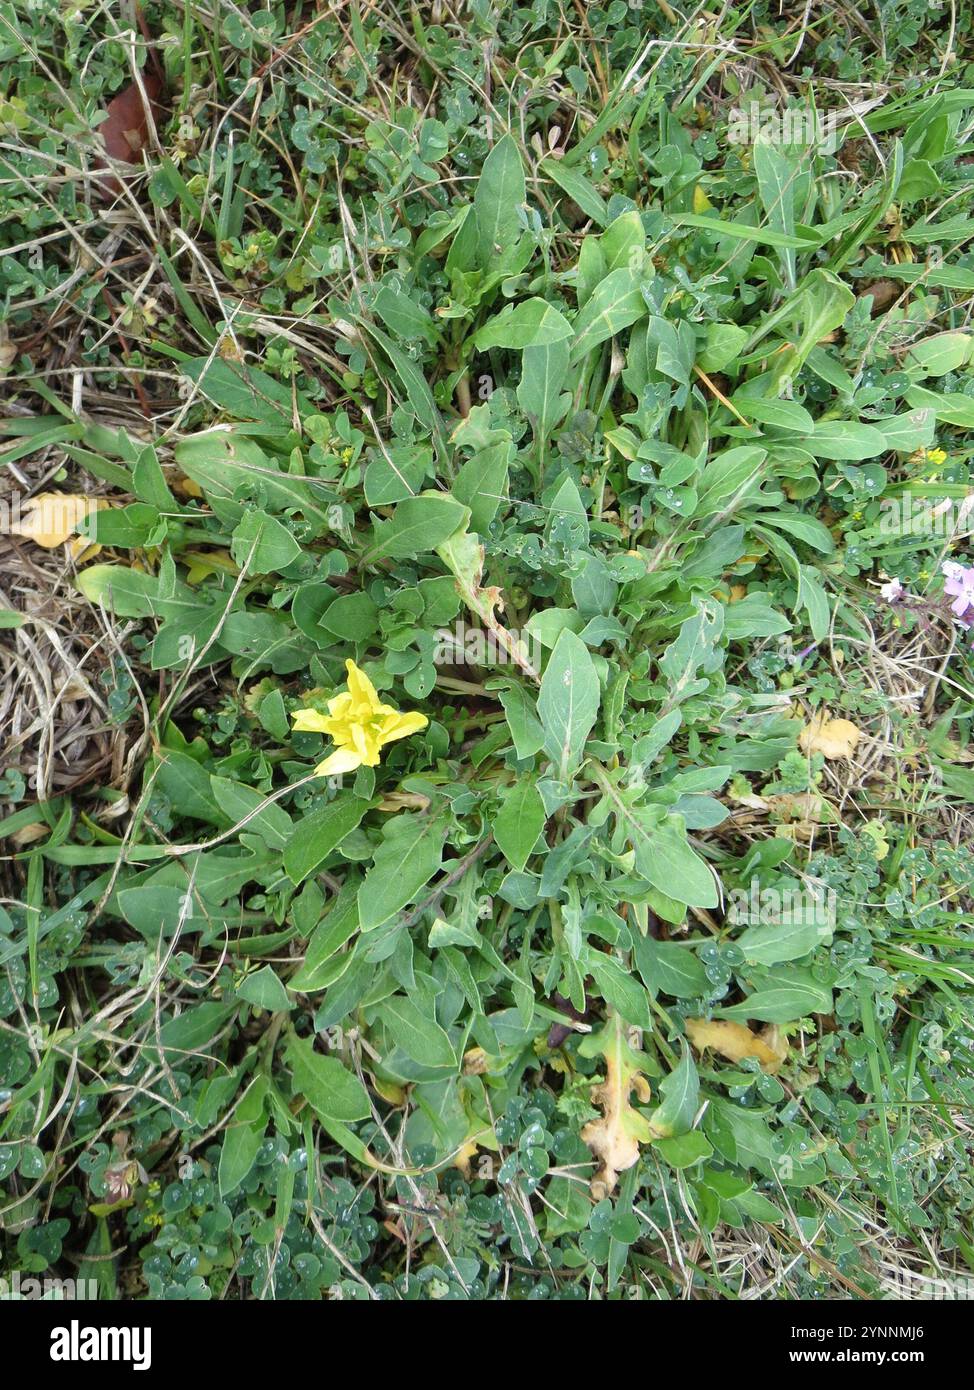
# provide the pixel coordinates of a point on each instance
(767, 236)
(418, 526)
(822, 304)
(533, 323)
(540, 394)
(241, 1145)
(665, 860)
(523, 721)
(264, 990)
(804, 528)
(777, 173)
(500, 192)
(407, 319)
(188, 787)
(684, 1150)
(410, 854)
(519, 822)
(232, 469)
(396, 472)
(681, 1098)
(419, 397)
(329, 936)
(481, 483)
(722, 345)
(958, 781)
(326, 1085)
(774, 942)
(914, 429)
(814, 600)
(943, 353)
(125, 592)
(351, 617)
(780, 415)
(620, 989)
(321, 832)
(578, 188)
(568, 703)
(193, 1029)
(950, 408)
(262, 544)
(843, 439)
(246, 393)
(238, 802)
(417, 1033)
(616, 303)
(783, 1003)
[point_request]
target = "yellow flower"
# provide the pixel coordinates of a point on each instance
(936, 456)
(359, 725)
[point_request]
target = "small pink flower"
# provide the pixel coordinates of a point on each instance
(959, 585)
(893, 591)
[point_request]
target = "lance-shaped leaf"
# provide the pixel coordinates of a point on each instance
(326, 1085)
(519, 822)
(539, 393)
(534, 323)
(319, 833)
(681, 1096)
(568, 703)
(418, 525)
(615, 304)
(500, 193)
(403, 864)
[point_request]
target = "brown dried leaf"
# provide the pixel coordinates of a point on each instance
(125, 130)
(29, 834)
(883, 293)
(808, 807)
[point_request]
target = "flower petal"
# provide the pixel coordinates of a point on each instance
(342, 760)
(309, 721)
(366, 744)
(402, 726)
(360, 687)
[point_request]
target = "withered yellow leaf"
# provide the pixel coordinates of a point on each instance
(735, 1041)
(615, 1138)
(51, 518)
(399, 801)
(201, 564)
(835, 738)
